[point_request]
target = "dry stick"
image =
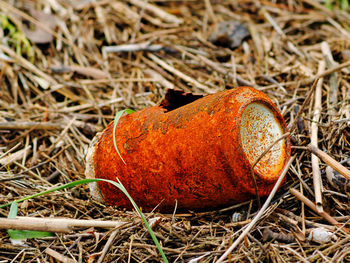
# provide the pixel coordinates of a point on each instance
(311, 205)
(300, 219)
(11, 150)
(331, 70)
(316, 173)
(339, 27)
(130, 248)
(260, 213)
(341, 120)
(107, 246)
(314, 80)
(157, 11)
(333, 80)
(58, 256)
(145, 46)
(62, 225)
(179, 73)
(330, 161)
(301, 189)
(210, 11)
(159, 78)
(31, 125)
(258, 160)
(12, 157)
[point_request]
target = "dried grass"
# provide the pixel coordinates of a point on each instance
(54, 101)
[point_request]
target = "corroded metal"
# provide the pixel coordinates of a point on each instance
(198, 155)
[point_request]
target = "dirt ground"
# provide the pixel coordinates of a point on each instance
(67, 68)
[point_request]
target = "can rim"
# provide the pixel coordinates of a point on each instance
(261, 172)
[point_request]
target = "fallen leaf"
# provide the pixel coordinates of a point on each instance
(38, 35)
(229, 34)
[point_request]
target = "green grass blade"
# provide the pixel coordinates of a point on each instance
(344, 4)
(57, 188)
(329, 4)
(85, 181)
(121, 187)
(116, 120)
(149, 229)
(13, 210)
(26, 234)
(23, 234)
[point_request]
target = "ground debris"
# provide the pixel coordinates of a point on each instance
(229, 34)
(48, 118)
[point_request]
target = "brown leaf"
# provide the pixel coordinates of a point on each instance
(39, 35)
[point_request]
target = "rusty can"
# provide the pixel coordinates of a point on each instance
(197, 156)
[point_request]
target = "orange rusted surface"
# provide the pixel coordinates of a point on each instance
(193, 155)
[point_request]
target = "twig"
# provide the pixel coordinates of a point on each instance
(30, 125)
(269, 148)
(258, 160)
(311, 205)
(333, 80)
(159, 78)
(61, 225)
(107, 246)
(330, 161)
(145, 46)
(12, 157)
(58, 256)
(339, 27)
(11, 150)
(331, 70)
(157, 11)
(257, 217)
(301, 190)
(210, 11)
(87, 71)
(314, 139)
(341, 120)
(300, 219)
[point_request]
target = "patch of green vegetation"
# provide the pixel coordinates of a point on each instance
(13, 211)
(330, 4)
(23, 234)
(15, 38)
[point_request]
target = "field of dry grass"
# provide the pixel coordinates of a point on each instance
(67, 67)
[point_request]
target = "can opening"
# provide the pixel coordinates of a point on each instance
(259, 129)
(177, 98)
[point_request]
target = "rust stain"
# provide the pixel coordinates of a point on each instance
(194, 154)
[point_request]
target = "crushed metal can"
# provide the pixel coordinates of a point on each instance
(192, 152)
